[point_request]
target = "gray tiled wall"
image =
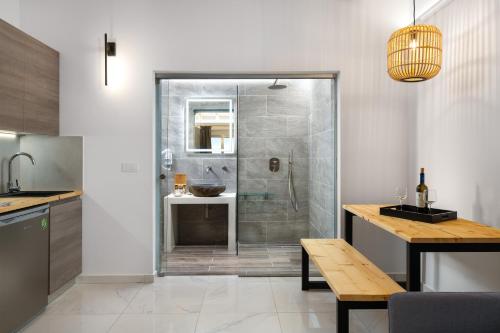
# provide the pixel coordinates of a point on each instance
(270, 124)
(322, 162)
(201, 225)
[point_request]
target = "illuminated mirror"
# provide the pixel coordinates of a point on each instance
(210, 126)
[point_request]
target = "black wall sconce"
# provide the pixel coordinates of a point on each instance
(109, 51)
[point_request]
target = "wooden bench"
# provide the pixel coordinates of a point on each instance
(357, 282)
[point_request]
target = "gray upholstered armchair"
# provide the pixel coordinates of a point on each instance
(444, 313)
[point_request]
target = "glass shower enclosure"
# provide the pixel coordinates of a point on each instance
(281, 160)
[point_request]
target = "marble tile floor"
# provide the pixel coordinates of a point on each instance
(199, 304)
(252, 260)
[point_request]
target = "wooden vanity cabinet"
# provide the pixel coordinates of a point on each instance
(65, 248)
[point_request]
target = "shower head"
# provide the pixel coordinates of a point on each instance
(276, 86)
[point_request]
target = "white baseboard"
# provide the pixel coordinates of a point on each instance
(88, 279)
(61, 290)
(426, 288)
(399, 277)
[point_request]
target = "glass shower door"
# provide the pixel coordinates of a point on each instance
(286, 160)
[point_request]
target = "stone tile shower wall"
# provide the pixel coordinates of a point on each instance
(201, 225)
(322, 162)
(271, 123)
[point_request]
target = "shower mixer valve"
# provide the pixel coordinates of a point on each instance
(274, 164)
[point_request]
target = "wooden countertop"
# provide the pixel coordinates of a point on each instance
(453, 231)
(24, 202)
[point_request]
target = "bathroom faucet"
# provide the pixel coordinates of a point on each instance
(10, 185)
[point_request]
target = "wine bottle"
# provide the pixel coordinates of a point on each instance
(421, 192)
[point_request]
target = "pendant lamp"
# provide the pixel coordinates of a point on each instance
(414, 53)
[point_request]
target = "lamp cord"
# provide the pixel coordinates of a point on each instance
(414, 19)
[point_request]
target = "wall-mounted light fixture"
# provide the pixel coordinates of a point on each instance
(109, 51)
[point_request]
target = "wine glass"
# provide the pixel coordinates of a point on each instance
(401, 192)
(430, 198)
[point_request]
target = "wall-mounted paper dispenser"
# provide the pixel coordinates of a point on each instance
(167, 159)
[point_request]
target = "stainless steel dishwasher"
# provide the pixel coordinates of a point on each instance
(24, 263)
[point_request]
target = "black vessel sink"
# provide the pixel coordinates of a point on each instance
(32, 194)
(207, 189)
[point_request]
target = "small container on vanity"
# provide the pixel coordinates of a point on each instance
(180, 184)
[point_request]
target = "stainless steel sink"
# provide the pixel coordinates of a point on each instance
(207, 189)
(32, 194)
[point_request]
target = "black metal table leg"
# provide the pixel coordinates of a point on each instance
(413, 267)
(342, 317)
(305, 269)
(348, 226)
(413, 258)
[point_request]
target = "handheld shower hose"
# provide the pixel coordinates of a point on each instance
(291, 187)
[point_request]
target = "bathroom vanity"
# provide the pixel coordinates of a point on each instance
(171, 222)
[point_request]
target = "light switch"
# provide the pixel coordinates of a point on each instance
(129, 167)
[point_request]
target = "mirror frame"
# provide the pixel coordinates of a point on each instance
(188, 127)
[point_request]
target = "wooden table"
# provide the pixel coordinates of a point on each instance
(458, 235)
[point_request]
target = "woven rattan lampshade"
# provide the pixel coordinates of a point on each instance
(415, 53)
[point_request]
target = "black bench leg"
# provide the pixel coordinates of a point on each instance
(306, 284)
(305, 270)
(348, 226)
(342, 317)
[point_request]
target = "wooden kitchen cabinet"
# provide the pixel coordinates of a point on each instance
(41, 102)
(12, 78)
(65, 249)
(29, 83)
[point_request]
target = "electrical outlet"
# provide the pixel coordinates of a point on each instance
(129, 167)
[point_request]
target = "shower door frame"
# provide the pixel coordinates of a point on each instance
(167, 75)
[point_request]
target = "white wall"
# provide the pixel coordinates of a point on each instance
(217, 36)
(457, 137)
(9, 11)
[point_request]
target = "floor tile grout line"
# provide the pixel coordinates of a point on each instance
(275, 306)
(126, 307)
(202, 304)
(273, 294)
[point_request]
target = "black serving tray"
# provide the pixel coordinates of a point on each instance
(408, 212)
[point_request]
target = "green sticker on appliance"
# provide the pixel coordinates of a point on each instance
(44, 223)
